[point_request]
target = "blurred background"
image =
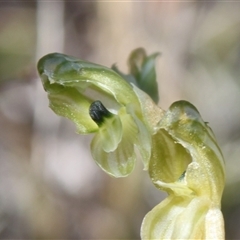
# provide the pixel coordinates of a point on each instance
(49, 185)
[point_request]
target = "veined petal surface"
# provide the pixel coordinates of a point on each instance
(119, 162)
(69, 71)
(186, 140)
(187, 163)
(183, 218)
(69, 103)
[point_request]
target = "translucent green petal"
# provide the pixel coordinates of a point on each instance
(109, 134)
(143, 142)
(178, 188)
(143, 139)
(69, 103)
(121, 161)
(169, 159)
(187, 163)
(68, 71)
(177, 218)
(183, 131)
(152, 114)
(214, 224)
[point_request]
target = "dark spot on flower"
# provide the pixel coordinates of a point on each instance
(98, 112)
(182, 176)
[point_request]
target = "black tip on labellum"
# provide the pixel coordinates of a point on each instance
(98, 112)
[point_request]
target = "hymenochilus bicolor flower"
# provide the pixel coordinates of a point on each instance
(98, 100)
(187, 163)
(177, 147)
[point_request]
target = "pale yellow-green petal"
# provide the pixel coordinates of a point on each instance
(69, 71)
(109, 134)
(121, 161)
(186, 163)
(143, 139)
(205, 175)
(178, 188)
(214, 224)
(177, 218)
(71, 104)
(169, 159)
(143, 142)
(152, 114)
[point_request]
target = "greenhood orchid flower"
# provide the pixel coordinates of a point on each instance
(177, 147)
(187, 163)
(98, 100)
